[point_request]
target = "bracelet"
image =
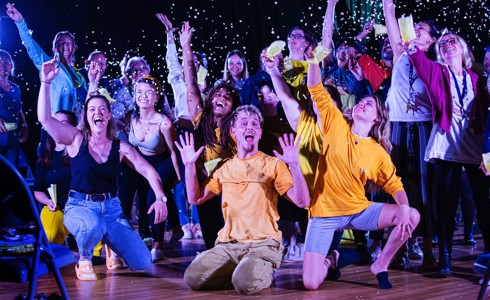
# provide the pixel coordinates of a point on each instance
(161, 198)
(404, 205)
(46, 82)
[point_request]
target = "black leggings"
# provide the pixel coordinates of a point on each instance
(447, 184)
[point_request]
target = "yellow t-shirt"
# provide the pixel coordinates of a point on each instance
(309, 148)
(346, 163)
(215, 151)
(296, 78)
(250, 190)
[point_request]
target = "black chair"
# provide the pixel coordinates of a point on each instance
(482, 267)
(17, 208)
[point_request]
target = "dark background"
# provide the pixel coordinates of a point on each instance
(115, 27)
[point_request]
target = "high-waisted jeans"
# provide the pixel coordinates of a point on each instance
(91, 221)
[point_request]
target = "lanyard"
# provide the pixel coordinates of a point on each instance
(461, 96)
(411, 106)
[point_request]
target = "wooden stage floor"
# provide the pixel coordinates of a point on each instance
(164, 281)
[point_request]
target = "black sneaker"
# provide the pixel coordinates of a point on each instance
(401, 261)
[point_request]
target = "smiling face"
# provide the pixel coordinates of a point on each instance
(267, 97)
(101, 59)
(450, 47)
(137, 70)
(65, 46)
(247, 131)
(366, 110)
(222, 102)
(235, 65)
(98, 114)
(146, 95)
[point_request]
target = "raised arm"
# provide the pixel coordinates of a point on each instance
(314, 75)
(327, 30)
(63, 133)
(291, 107)
(190, 75)
(131, 157)
(366, 30)
(175, 73)
(393, 30)
(94, 73)
(35, 52)
(299, 192)
(195, 193)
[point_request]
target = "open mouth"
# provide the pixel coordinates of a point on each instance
(249, 138)
(449, 50)
(219, 104)
(98, 120)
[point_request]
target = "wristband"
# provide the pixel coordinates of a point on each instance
(161, 198)
(47, 82)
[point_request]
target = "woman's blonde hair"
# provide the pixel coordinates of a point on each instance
(467, 55)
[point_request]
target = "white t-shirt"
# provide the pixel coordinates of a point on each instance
(399, 95)
(460, 144)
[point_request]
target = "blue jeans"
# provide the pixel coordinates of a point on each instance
(91, 222)
(182, 204)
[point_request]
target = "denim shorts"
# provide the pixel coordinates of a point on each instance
(321, 229)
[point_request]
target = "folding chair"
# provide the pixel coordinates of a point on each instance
(17, 206)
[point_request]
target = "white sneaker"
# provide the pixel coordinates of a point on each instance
(156, 255)
(187, 232)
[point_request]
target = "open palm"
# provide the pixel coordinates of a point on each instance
(186, 147)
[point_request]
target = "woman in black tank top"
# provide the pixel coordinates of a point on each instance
(93, 210)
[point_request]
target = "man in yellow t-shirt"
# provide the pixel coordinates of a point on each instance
(248, 248)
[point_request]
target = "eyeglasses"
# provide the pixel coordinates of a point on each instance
(137, 70)
(451, 41)
(296, 36)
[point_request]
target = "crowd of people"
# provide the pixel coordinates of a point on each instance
(268, 167)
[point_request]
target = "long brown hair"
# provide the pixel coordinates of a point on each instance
(46, 156)
(205, 129)
(82, 124)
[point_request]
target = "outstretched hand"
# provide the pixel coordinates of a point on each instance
(49, 70)
(94, 72)
(165, 21)
(186, 34)
(290, 153)
(13, 13)
(186, 147)
(269, 64)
